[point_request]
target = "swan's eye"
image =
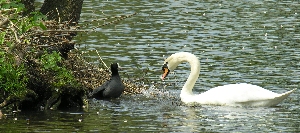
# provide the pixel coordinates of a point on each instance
(165, 66)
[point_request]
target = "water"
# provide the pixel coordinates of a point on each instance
(236, 41)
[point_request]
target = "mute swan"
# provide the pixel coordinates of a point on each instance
(112, 88)
(228, 95)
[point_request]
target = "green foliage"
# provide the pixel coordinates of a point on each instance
(65, 78)
(14, 4)
(46, 78)
(49, 61)
(2, 35)
(62, 76)
(23, 24)
(12, 77)
(34, 20)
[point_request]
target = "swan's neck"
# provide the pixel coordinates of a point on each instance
(195, 70)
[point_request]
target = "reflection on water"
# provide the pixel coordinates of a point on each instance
(137, 113)
(236, 41)
(160, 113)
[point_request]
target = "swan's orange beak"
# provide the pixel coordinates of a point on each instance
(165, 71)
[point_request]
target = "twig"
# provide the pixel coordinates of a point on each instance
(58, 15)
(14, 30)
(7, 10)
(101, 59)
(66, 31)
(3, 104)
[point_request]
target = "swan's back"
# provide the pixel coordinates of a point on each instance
(240, 95)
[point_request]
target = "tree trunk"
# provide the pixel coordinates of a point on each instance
(62, 10)
(29, 5)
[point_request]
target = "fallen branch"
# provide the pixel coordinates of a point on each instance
(101, 59)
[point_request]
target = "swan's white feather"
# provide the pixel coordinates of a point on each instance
(237, 95)
(229, 95)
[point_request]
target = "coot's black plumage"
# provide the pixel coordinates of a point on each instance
(112, 88)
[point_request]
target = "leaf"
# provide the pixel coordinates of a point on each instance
(2, 35)
(1, 60)
(43, 26)
(2, 1)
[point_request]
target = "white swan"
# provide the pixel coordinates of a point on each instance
(228, 95)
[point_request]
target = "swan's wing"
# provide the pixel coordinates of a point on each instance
(267, 102)
(238, 92)
(241, 95)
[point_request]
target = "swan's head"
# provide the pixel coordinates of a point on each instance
(166, 71)
(170, 64)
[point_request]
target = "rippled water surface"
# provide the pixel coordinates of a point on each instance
(249, 41)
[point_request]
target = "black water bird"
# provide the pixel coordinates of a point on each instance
(112, 88)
